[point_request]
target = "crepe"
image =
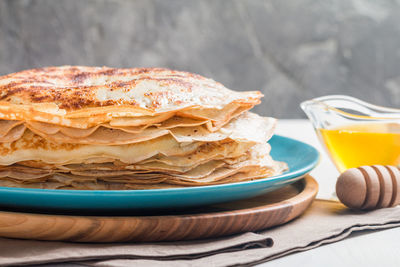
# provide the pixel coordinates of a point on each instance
(107, 135)
(84, 97)
(248, 127)
(255, 164)
(95, 128)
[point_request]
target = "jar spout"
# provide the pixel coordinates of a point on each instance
(336, 110)
(315, 111)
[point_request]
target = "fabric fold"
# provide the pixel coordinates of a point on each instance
(325, 222)
(41, 252)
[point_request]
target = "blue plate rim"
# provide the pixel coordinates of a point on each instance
(286, 176)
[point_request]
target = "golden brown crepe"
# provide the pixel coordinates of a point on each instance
(102, 128)
(247, 128)
(255, 164)
(83, 97)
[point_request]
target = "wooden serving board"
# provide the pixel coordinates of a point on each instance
(253, 214)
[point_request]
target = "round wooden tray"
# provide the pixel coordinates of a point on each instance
(253, 214)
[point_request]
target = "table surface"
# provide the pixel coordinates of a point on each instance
(364, 248)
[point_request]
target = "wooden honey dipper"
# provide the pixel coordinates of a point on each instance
(369, 187)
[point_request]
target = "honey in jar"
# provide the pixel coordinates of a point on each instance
(355, 145)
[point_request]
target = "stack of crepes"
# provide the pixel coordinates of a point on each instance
(89, 128)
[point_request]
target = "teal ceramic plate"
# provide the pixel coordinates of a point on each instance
(300, 157)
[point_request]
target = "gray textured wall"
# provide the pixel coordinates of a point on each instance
(290, 50)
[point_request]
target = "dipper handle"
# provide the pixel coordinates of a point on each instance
(369, 187)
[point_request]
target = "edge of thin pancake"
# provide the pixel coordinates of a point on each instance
(104, 135)
(95, 95)
(226, 155)
(121, 126)
(213, 118)
(248, 127)
(258, 164)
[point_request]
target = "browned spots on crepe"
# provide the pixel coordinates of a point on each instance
(76, 87)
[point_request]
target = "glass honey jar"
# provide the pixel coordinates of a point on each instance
(355, 133)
